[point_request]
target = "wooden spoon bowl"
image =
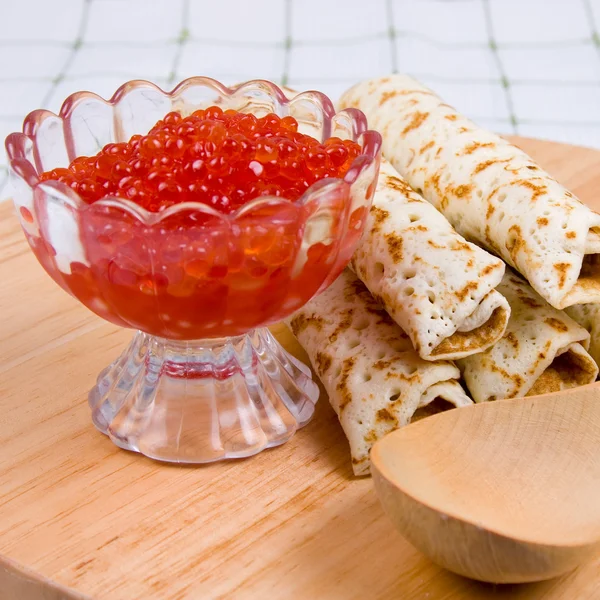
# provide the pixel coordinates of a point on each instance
(504, 492)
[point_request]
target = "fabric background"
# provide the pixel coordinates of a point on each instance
(530, 67)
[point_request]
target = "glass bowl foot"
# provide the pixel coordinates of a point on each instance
(203, 400)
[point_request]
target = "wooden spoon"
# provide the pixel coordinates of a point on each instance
(505, 491)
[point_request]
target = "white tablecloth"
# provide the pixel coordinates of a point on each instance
(519, 66)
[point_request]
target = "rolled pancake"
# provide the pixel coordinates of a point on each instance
(588, 316)
(375, 380)
(543, 350)
(492, 192)
(437, 286)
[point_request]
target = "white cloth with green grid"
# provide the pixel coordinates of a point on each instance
(515, 66)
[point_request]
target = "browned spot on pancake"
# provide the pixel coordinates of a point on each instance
(379, 217)
(323, 362)
(397, 184)
(490, 211)
(342, 386)
(487, 236)
(380, 365)
(434, 245)
(487, 270)
(410, 92)
(426, 147)
(471, 263)
(542, 221)
(462, 341)
(412, 157)
(571, 235)
(474, 146)
(396, 375)
(515, 241)
(537, 190)
(344, 324)
(562, 269)
(556, 324)
(514, 377)
(435, 181)
(460, 245)
(417, 119)
(464, 292)
(300, 322)
(488, 163)
(370, 437)
(394, 245)
(529, 301)
(386, 416)
(358, 461)
(494, 192)
(463, 129)
(438, 152)
(444, 202)
(569, 194)
(463, 190)
(512, 339)
(483, 166)
(451, 117)
(532, 167)
(386, 96)
(542, 354)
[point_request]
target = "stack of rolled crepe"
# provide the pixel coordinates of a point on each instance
(375, 380)
(428, 297)
(491, 192)
(438, 287)
(542, 350)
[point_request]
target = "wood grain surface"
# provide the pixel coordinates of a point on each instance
(80, 518)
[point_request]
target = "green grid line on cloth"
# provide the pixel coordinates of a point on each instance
(184, 36)
(501, 70)
(389, 10)
(594, 30)
(75, 47)
(522, 45)
(514, 82)
(287, 43)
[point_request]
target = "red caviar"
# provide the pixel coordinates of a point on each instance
(223, 159)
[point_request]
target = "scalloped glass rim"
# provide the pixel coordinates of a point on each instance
(370, 141)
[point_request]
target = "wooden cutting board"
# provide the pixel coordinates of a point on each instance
(80, 518)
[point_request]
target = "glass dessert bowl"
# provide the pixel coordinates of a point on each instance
(203, 379)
